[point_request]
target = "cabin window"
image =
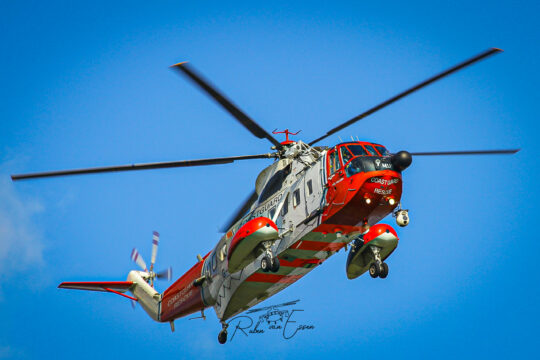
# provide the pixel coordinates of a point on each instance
(345, 155)
(371, 150)
(274, 184)
(357, 150)
(285, 208)
(296, 197)
(223, 252)
(382, 150)
(272, 213)
(309, 187)
(214, 262)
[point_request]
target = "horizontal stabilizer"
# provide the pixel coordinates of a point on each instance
(106, 286)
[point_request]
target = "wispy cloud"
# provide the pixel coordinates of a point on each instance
(8, 352)
(21, 243)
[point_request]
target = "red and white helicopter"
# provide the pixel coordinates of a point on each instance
(308, 204)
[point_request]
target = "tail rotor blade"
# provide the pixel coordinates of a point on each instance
(155, 243)
(137, 258)
(165, 274)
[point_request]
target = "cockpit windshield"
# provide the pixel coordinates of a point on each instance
(357, 150)
(359, 157)
(382, 150)
(371, 150)
(349, 152)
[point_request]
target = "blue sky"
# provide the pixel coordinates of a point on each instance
(89, 84)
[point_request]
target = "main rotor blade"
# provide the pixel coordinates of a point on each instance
(157, 165)
(240, 212)
(453, 69)
(471, 152)
(238, 114)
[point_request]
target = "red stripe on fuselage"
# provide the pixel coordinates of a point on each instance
(299, 262)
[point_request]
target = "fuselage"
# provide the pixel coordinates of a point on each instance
(320, 200)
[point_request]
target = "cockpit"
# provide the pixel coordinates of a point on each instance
(349, 156)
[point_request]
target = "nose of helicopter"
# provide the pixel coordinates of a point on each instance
(401, 160)
(364, 198)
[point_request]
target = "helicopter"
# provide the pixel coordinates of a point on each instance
(311, 202)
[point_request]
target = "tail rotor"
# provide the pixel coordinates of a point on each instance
(150, 275)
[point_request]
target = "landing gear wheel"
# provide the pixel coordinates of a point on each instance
(222, 336)
(266, 264)
(374, 270)
(384, 271)
(275, 265)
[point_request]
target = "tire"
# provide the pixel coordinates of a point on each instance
(222, 337)
(374, 270)
(384, 272)
(266, 263)
(275, 265)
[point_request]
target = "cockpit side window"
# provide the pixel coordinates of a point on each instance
(330, 162)
(345, 155)
(333, 162)
(357, 150)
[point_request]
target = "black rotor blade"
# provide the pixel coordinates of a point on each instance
(409, 91)
(238, 114)
(240, 212)
(157, 165)
(472, 152)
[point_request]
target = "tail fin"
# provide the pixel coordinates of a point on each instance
(147, 296)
